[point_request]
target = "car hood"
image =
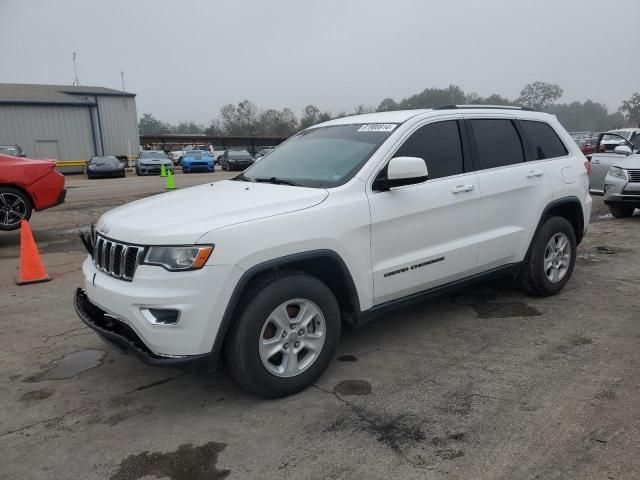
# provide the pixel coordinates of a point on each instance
(632, 161)
(183, 216)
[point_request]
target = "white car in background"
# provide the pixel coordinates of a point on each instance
(609, 143)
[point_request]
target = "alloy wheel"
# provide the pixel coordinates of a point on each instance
(12, 209)
(557, 257)
(292, 337)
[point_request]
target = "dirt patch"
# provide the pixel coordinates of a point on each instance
(353, 387)
(70, 365)
(486, 307)
(186, 463)
(457, 401)
(605, 250)
(396, 432)
(347, 358)
(37, 395)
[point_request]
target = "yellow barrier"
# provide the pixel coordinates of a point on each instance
(71, 163)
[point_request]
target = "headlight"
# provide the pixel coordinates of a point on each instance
(179, 258)
(122, 164)
(618, 172)
(91, 166)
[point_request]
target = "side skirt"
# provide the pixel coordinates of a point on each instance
(506, 270)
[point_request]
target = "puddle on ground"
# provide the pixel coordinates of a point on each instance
(485, 307)
(353, 387)
(347, 358)
(70, 365)
(186, 463)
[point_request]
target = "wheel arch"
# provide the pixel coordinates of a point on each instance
(23, 190)
(325, 265)
(569, 208)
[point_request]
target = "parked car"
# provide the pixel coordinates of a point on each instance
(149, 162)
(197, 161)
(177, 155)
(263, 151)
(105, 166)
(601, 162)
(235, 160)
(613, 140)
(27, 185)
(14, 150)
(622, 183)
(346, 220)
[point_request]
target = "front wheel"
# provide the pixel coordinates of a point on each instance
(284, 336)
(14, 207)
(620, 210)
(551, 258)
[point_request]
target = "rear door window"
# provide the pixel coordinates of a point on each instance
(438, 144)
(498, 143)
(543, 140)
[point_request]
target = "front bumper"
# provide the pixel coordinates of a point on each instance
(617, 190)
(200, 296)
(153, 169)
(119, 335)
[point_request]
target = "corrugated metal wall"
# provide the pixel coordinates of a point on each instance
(119, 124)
(69, 126)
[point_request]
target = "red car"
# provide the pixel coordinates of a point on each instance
(27, 185)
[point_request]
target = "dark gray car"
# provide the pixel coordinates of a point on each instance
(104, 167)
(235, 160)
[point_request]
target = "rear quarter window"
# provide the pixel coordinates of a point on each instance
(543, 140)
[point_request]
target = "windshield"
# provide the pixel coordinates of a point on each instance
(239, 153)
(105, 160)
(9, 150)
(153, 154)
(322, 157)
(622, 133)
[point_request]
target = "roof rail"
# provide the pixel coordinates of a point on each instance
(493, 107)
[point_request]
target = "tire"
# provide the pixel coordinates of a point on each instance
(547, 268)
(15, 205)
(138, 172)
(620, 210)
(244, 349)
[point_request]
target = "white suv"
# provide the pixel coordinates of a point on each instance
(341, 222)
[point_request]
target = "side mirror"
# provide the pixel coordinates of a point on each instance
(403, 171)
(622, 150)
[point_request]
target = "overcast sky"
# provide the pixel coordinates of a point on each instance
(185, 58)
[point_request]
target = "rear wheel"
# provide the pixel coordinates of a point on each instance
(14, 207)
(620, 210)
(551, 258)
(284, 335)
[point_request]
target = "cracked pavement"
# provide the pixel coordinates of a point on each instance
(484, 384)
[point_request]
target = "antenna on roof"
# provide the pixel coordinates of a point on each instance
(76, 82)
(122, 75)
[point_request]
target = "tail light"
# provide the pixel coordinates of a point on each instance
(587, 167)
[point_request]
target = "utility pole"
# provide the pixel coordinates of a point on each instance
(76, 81)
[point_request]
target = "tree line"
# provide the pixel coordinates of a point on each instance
(246, 119)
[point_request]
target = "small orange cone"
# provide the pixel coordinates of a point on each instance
(31, 267)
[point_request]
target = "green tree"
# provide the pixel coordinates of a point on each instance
(433, 97)
(538, 95)
(387, 105)
(188, 127)
(310, 116)
(631, 109)
(214, 129)
(150, 125)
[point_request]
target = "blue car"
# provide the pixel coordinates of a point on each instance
(198, 161)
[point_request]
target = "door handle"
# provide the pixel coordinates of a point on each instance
(462, 188)
(535, 173)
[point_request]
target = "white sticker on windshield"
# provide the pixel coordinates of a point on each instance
(378, 127)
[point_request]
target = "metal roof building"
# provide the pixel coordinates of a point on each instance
(68, 122)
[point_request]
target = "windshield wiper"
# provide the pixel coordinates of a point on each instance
(242, 178)
(277, 181)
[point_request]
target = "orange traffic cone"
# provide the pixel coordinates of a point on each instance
(31, 267)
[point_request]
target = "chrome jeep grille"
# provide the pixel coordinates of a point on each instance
(634, 175)
(119, 260)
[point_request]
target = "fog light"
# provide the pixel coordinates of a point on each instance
(161, 316)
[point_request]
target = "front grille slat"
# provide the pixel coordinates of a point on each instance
(118, 260)
(634, 175)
